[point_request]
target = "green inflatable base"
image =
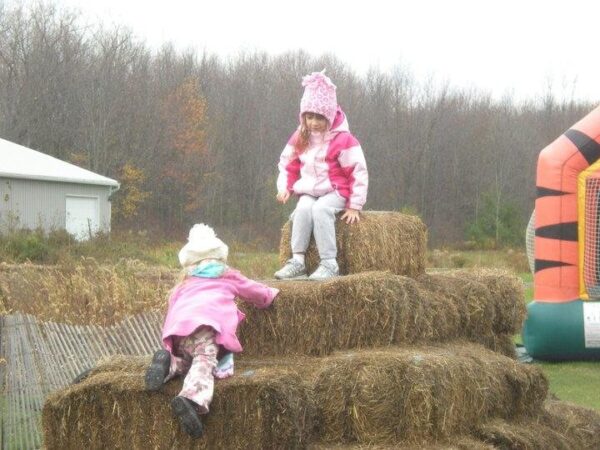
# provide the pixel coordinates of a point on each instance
(554, 332)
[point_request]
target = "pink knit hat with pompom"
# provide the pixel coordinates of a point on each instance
(319, 96)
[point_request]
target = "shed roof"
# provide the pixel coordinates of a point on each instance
(17, 161)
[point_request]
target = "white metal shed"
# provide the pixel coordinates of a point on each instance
(40, 191)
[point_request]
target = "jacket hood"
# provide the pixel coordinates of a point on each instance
(340, 122)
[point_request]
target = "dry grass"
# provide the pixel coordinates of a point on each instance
(507, 259)
(85, 293)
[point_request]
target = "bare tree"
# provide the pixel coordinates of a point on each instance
(104, 100)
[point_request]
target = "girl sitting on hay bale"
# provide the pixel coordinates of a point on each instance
(201, 320)
(325, 165)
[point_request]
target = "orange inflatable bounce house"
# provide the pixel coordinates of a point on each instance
(564, 319)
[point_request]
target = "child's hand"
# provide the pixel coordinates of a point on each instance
(350, 215)
(283, 197)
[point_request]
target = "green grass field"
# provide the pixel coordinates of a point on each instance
(576, 382)
(573, 381)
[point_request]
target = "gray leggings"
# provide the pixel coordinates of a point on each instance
(316, 215)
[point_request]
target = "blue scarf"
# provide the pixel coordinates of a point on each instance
(212, 269)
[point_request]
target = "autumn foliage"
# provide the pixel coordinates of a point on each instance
(187, 159)
(131, 195)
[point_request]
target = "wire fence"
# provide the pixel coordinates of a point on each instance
(37, 358)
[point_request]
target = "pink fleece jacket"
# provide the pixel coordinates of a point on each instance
(210, 301)
(336, 164)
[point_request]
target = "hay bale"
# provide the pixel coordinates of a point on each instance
(508, 293)
(502, 300)
(382, 240)
(527, 435)
(421, 397)
(356, 311)
(460, 443)
(260, 408)
(579, 424)
(501, 343)
(372, 309)
(423, 394)
(560, 425)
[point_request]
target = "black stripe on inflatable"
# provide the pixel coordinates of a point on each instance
(588, 147)
(541, 264)
(546, 192)
(566, 231)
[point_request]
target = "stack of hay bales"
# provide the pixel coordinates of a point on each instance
(374, 309)
(375, 359)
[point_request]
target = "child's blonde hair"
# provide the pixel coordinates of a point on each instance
(303, 135)
(301, 143)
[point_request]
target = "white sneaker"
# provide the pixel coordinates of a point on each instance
(325, 271)
(293, 270)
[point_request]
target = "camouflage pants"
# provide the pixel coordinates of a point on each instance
(196, 356)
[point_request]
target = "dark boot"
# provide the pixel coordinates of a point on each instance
(82, 376)
(158, 370)
(185, 410)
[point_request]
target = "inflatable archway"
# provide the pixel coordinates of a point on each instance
(564, 319)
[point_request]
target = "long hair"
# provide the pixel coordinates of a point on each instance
(302, 137)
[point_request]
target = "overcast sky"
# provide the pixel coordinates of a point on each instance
(498, 46)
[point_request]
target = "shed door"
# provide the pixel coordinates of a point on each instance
(82, 219)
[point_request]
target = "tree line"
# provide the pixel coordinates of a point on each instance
(195, 137)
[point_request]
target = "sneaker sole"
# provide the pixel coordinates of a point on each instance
(323, 279)
(299, 277)
(188, 417)
(158, 370)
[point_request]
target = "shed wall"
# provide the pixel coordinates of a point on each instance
(35, 203)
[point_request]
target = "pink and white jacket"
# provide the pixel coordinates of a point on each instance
(334, 163)
(210, 301)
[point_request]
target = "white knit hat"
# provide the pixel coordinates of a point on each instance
(203, 243)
